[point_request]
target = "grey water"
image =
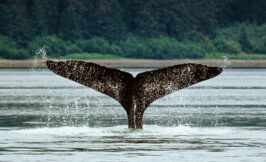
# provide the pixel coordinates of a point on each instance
(44, 117)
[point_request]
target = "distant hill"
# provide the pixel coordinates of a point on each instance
(157, 29)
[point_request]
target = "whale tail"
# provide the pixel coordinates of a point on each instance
(135, 94)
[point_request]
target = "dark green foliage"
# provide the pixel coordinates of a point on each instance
(227, 46)
(132, 47)
(5, 19)
(45, 16)
(160, 48)
(171, 49)
(9, 50)
(159, 29)
(69, 28)
(20, 26)
(53, 45)
(108, 19)
(257, 38)
(244, 41)
(85, 55)
(13, 53)
(201, 40)
(74, 48)
(243, 11)
(245, 37)
(98, 45)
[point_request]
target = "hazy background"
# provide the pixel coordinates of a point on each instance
(156, 29)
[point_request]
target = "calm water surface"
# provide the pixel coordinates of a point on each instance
(44, 117)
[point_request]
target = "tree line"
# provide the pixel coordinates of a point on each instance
(160, 29)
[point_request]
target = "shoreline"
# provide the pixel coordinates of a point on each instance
(141, 63)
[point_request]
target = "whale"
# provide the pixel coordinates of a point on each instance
(135, 94)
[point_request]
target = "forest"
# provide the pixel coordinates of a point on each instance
(147, 29)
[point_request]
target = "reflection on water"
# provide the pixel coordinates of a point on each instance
(44, 117)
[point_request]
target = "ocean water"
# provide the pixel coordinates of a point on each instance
(44, 117)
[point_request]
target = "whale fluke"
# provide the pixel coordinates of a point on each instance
(111, 82)
(135, 94)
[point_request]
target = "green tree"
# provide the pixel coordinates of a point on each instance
(69, 28)
(5, 19)
(45, 16)
(20, 25)
(106, 20)
(244, 41)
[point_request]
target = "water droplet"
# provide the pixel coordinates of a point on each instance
(225, 62)
(39, 57)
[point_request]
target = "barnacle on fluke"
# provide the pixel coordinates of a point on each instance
(135, 94)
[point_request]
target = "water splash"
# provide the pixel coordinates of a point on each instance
(225, 62)
(39, 57)
(122, 131)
